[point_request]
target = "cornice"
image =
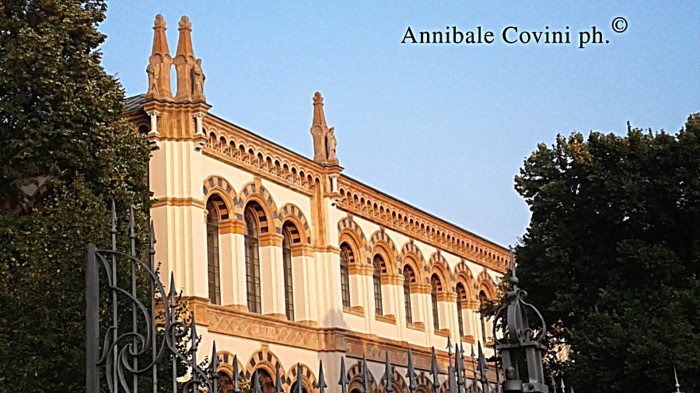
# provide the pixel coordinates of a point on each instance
(381, 209)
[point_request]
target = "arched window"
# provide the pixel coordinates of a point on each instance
(436, 286)
(379, 268)
(287, 267)
(461, 296)
(482, 302)
(346, 258)
(252, 259)
(409, 277)
(213, 278)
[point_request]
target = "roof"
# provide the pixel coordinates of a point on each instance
(134, 103)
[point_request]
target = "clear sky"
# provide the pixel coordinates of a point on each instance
(444, 127)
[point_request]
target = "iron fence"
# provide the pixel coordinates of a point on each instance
(140, 337)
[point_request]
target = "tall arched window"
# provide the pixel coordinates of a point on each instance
(436, 286)
(287, 270)
(461, 296)
(252, 260)
(379, 267)
(482, 300)
(409, 277)
(346, 258)
(213, 278)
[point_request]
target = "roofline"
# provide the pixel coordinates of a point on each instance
(431, 215)
(321, 167)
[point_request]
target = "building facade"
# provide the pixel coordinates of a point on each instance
(284, 260)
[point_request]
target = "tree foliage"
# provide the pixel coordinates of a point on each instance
(611, 255)
(65, 154)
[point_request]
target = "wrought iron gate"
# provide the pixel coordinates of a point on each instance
(139, 337)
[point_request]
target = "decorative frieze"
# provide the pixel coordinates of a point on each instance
(379, 208)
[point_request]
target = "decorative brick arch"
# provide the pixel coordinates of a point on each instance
(301, 232)
(348, 227)
(423, 383)
(217, 185)
(410, 250)
(485, 283)
(399, 383)
(267, 211)
(380, 240)
(439, 265)
(266, 360)
(355, 378)
(307, 377)
(226, 359)
(464, 275)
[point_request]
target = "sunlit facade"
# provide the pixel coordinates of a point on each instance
(283, 259)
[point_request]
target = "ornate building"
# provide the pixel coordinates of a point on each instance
(284, 259)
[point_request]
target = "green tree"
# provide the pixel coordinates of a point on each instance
(611, 255)
(66, 153)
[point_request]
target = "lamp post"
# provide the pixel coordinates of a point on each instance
(518, 341)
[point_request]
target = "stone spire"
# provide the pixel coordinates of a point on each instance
(159, 63)
(323, 137)
(190, 77)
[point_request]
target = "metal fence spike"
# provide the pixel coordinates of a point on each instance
(256, 382)
(194, 339)
(236, 382)
(172, 294)
(300, 382)
(483, 369)
(321, 384)
(474, 382)
(435, 371)
(343, 381)
(151, 236)
(675, 376)
(114, 217)
(365, 374)
(278, 379)
(214, 358)
(459, 367)
(387, 375)
(411, 373)
(132, 224)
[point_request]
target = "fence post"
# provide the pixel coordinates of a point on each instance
(92, 299)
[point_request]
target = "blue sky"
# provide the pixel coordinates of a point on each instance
(442, 127)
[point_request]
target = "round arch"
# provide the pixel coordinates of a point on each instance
(301, 233)
(308, 379)
(267, 215)
(266, 360)
(465, 277)
(381, 243)
(217, 185)
(439, 266)
(485, 283)
(354, 375)
(351, 233)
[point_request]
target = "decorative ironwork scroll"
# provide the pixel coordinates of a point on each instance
(139, 336)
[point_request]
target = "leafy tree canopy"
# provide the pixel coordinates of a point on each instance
(611, 255)
(65, 154)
